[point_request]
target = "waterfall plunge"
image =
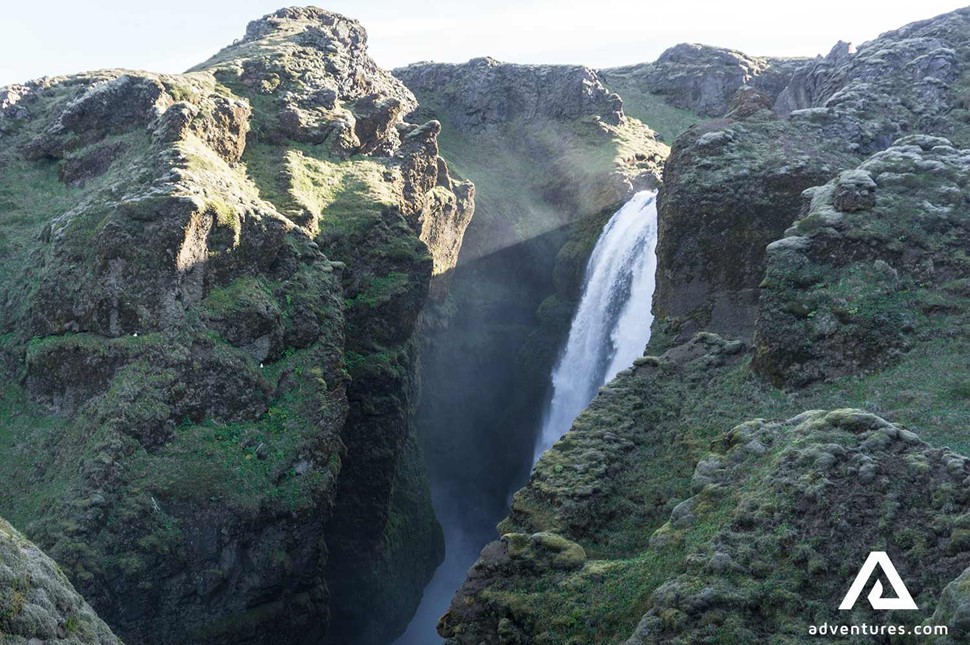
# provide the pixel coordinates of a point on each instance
(609, 331)
(612, 325)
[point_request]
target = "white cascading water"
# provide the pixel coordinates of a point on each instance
(612, 324)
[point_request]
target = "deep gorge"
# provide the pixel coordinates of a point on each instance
(298, 350)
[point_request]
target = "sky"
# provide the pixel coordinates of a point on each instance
(60, 37)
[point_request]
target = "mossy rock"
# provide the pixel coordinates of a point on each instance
(38, 603)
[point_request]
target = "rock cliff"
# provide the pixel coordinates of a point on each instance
(703, 79)
(803, 401)
(738, 180)
(210, 285)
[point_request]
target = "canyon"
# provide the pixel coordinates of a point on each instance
(283, 339)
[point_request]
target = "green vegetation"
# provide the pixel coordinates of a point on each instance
(239, 297)
(668, 121)
(672, 415)
(516, 177)
(36, 599)
(195, 370)
(377, 290)
(25, 426)
(245, 464)
(319, 191)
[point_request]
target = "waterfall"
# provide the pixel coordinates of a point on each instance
(612, 324)
(610, 329)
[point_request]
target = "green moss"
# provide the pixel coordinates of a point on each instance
(240, 294)
(36, 598)
(25, 427)
(378, 366)
(377, 290)
(328, 195)
(29, 194)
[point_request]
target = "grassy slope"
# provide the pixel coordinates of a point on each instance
(668, 121)
(519, 167)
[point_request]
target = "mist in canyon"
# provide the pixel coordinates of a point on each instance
(609, 330)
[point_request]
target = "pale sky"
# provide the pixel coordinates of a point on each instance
(58, 37)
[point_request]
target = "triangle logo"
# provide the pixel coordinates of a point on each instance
(903, 599)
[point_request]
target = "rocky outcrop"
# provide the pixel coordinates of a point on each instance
(902, 82)
(729, 190)
(38, 603)
(828, 473)
(677, 533)
(738, 181)
(484, 93)
(810, 84)
(210, 288)
(951, 611)
(704, 79)
(870, 266)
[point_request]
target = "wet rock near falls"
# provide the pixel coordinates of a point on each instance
(552, 155)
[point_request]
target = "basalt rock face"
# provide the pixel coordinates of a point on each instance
(739, 180)
(209, 294)
(552, 156)
(730, 485)
(731, 187)
(38, 603)
(485, 93)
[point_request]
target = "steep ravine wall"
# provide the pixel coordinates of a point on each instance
(209, 285)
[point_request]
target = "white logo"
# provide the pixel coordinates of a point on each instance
(902, 600)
